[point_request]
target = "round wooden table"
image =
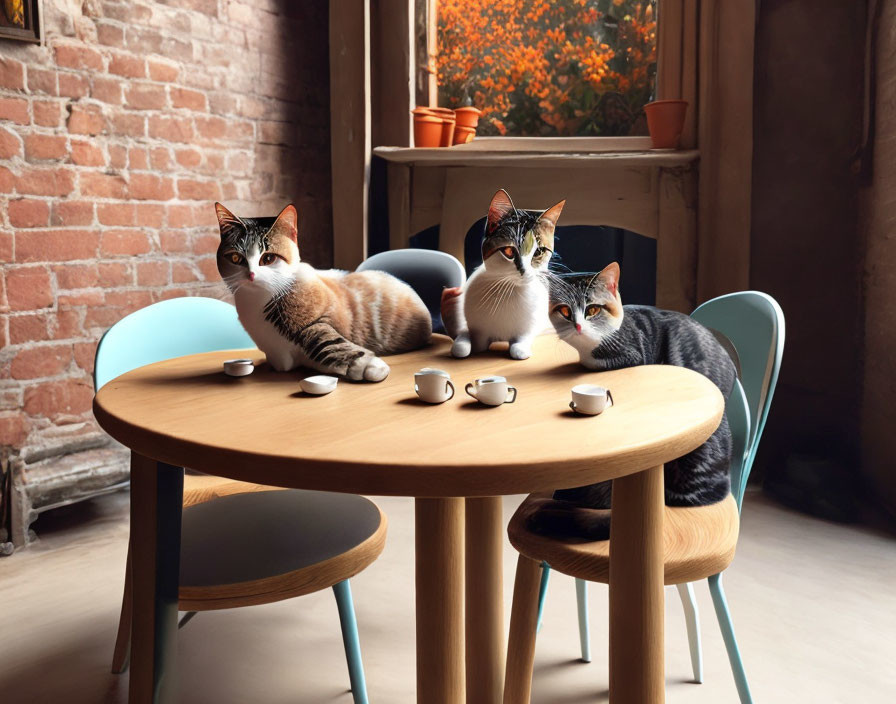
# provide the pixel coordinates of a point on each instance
(457, 459)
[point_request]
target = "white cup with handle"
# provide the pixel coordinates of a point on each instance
(590, 399)
(433, 385)
(491, 390)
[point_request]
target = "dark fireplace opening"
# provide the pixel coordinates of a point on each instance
(578, 248)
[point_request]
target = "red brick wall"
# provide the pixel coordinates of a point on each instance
(115, 139)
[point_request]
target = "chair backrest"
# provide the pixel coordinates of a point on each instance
(738, 412)
(427, 271)
(173, 328)
(754, 323)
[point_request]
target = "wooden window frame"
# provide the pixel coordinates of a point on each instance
(676, 73)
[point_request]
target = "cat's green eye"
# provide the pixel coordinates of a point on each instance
(592, 310)
(235, 258)
(268, 258)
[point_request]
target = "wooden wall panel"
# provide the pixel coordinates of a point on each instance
(350, 138)
(725, 136)
(392, 72)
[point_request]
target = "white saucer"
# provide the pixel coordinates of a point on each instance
(318, 385)
(238, 367)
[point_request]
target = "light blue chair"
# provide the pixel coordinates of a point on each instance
(753, 323)
(427, 271)
(278, 532)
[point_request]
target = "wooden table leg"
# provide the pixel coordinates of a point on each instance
(636, 589)
(440, 600)
(523, 622)
(156, 503)
(484, 536)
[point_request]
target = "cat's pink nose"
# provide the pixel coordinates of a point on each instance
(251, 276)
(578, 327)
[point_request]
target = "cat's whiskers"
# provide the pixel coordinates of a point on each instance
(490, 294)
(280, 284)
(513, 283)
(234, 281)
(493, 287)
(506, 291)
(507, 285)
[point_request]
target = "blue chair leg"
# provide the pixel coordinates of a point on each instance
(582, 602)
(542, 593)
(692, 619)
(727, 628)
(343, 592)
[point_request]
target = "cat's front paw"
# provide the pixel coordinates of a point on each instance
(461, 348)
(376, 370)
(520, 350)
(368, 368)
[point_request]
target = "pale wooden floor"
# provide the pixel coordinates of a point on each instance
(814, 604)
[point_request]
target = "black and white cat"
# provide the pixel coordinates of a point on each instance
(505, 299)
(587, 312)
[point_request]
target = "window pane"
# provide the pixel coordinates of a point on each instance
(549, 68)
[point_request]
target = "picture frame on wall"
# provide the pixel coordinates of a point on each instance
(20, 20)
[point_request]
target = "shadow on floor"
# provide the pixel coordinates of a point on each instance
(35, 681)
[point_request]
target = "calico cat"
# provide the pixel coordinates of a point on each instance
(506, 298)
(587, 312)
(331, 321)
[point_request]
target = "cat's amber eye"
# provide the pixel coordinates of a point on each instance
(564, 311)
(507, 252)
(268, 258)
(591, 311)
(235, 258)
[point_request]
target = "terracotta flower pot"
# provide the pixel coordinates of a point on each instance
(665, 122)
(447, 117)
(467, 117)
(462, 134)
(427, 128)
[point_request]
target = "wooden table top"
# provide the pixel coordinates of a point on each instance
(380, 439)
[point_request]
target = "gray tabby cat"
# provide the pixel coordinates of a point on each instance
(587, 312)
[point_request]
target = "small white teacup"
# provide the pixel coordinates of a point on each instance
(491, 390)
(433, 385)
(590, 399)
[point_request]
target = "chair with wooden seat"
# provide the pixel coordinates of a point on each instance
(244, 544)
(698, 542)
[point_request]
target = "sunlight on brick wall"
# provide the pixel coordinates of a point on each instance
(115, 139)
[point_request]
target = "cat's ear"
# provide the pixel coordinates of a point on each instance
(227, 221)
(552, 214)
(609, 277)
(287, 223)
(547, 221)
(500, 207)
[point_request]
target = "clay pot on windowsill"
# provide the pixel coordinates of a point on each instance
(665, 122)
(462, 134)
(467, 117)
(447, 117)
(427, 128)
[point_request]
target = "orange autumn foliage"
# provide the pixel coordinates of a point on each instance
(564, 67)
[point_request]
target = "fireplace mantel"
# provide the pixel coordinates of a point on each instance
(652, 193)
